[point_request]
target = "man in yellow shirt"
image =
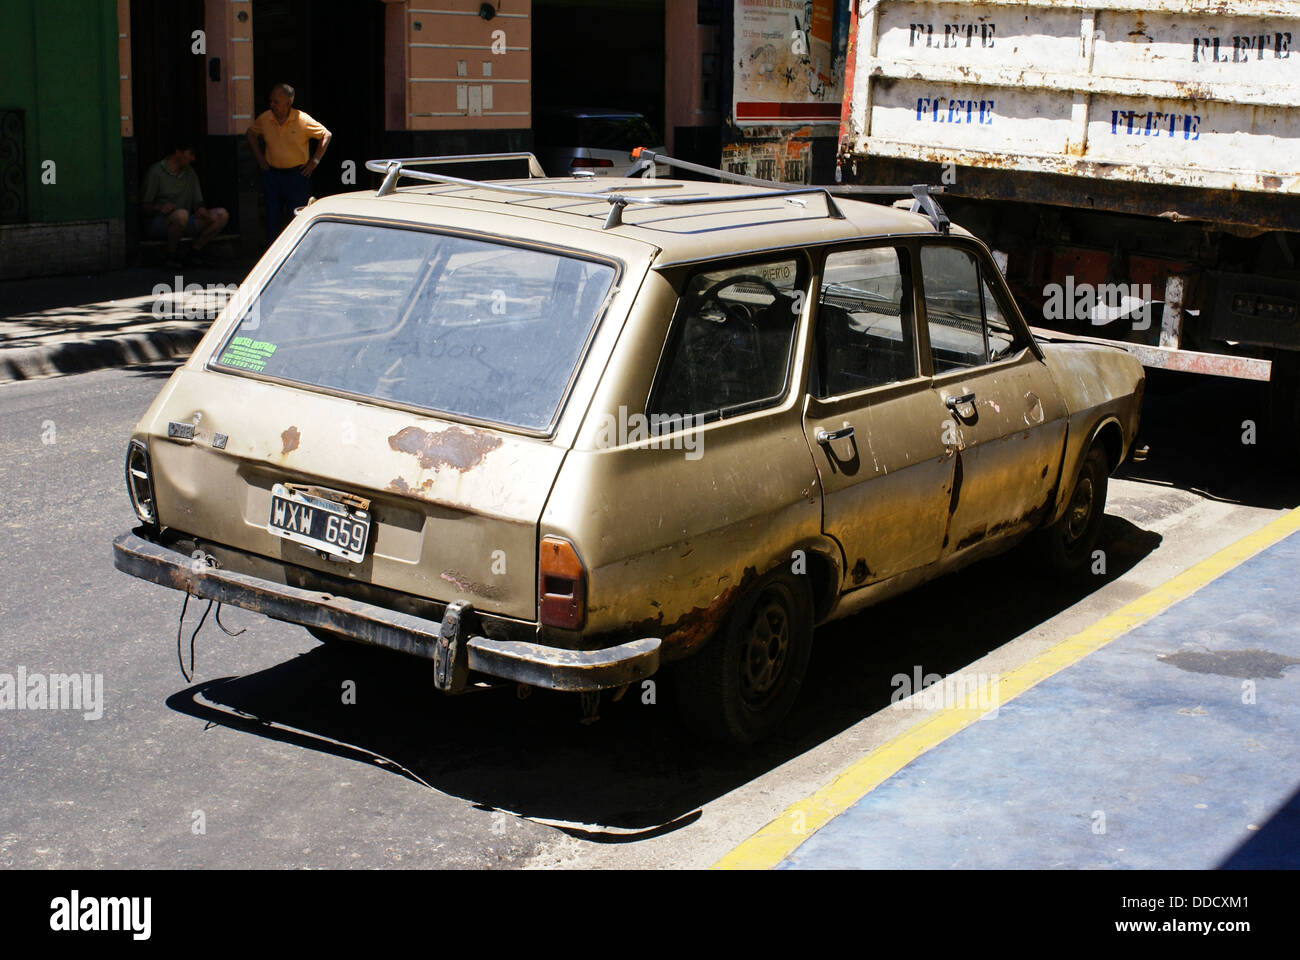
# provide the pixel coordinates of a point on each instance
(286, 165)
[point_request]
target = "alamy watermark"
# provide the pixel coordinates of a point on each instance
(75, 913)
(53, 691)
(664, 431)
(1098, 303)
(957, 691)
(191, 301)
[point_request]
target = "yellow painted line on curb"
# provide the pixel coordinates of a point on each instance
(776, 841)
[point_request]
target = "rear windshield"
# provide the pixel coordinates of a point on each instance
(449, 324)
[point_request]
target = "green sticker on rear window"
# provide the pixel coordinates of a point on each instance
(247, 354)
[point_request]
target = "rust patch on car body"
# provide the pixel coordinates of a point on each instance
(465, 585)
(290, 439)
(688, 632)
(399, 485)
(453, 447)
(860, 571)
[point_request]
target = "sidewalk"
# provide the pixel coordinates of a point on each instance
(58, 325)
(1165, 741)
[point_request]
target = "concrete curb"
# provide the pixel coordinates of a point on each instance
(80, 356)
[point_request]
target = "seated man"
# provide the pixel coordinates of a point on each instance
(172, 202)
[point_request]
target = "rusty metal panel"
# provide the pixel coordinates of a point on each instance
(1182, 361)
(1161, 92)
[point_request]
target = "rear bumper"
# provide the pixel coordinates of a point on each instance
(450, 643)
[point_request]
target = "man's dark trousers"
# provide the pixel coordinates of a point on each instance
(284, 188)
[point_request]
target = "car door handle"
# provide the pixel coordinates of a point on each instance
(952, 403)
(824, 436)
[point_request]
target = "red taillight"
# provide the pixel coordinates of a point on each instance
(561, 585)
(590, 162)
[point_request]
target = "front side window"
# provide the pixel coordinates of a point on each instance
(966, 325)
(732, 335)
(453, 325)
(864, 335)
(1002, 340)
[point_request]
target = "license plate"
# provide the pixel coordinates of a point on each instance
(333, 528)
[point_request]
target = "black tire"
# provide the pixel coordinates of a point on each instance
(1068, 544)
(742, 684)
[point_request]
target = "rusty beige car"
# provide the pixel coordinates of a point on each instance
(563, 433)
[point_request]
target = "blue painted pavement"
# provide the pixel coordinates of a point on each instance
(1146, 754)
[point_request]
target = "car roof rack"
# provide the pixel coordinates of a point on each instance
(397, 168)
(390, 181)
(921, 193)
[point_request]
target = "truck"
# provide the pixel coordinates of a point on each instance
(1135, 164)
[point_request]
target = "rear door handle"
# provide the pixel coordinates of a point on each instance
(824, 436)
(952, 403)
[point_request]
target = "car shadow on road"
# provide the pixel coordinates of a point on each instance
(636, 772)
(1273, 845)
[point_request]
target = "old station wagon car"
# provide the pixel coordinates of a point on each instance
(560, 432)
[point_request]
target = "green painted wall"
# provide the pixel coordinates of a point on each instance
(58, 62)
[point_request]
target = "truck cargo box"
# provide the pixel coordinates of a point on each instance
(1200, 94)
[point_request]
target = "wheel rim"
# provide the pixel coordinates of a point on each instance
(765, 654)
(1080, 512)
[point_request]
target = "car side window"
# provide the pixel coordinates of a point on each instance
(864, 336)
(1002, 339)
(732, 334)
(966, 324)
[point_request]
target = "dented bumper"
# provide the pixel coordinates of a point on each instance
(450, 644)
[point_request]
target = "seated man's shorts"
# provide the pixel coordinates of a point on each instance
(157, 228)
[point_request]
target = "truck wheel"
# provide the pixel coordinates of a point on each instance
(1068, 544)
(742, 684)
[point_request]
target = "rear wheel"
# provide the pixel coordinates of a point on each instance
(744, 681)
(1069, 543)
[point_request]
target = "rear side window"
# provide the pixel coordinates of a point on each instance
(448, 324)
(966, 324)
(865, 327)
(732, 335)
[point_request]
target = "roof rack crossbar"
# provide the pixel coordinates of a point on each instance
(921, 193)
(650, 158)
(386, 166)
(393, 169)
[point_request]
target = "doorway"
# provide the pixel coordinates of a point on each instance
(332, 53)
